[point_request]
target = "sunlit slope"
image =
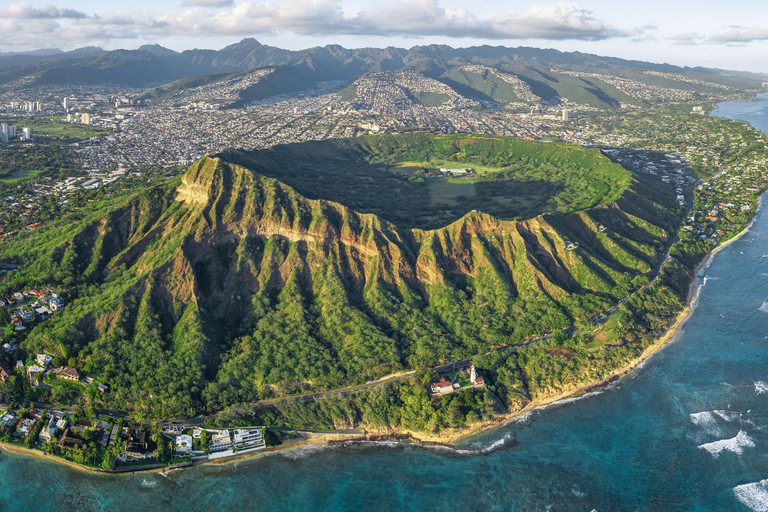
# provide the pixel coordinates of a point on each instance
(229, 285)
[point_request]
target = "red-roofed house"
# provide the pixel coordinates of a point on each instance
(442, 386)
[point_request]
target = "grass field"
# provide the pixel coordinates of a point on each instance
(51, 128)
(448, 164)
(17, 176)
(448, 192)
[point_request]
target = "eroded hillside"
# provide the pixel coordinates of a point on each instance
(230, 286)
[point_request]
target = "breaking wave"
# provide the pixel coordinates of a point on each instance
(707, 421)
(754, 495)
(471, 451)
(727, 415)
(760, 387)
(734, 444)
(764, 307)
(303, 452)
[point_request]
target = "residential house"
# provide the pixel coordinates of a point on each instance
(68, 441)
(81, 425)
(55, 304)
(33, 371)
(42, 311)
(26, 425)
(184, 443)
(43, 360)
(220, 440)
(8, 419)
(18, 325)
(114, 434)
(4, 374)
(138, 444)
(245, 437)
(442, 386)
(67, 373)
(48, 434)
(49, 431)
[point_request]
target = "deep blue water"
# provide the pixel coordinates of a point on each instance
(686, 431)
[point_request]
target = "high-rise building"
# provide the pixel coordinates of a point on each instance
(85, 118)
(7, 132)
(564, 116)
(26, 133)
(67, 103)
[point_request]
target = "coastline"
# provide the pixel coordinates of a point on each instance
(448, 438)
(40, 455)
(451, 438)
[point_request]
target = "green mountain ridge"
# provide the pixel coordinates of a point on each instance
(304, 69)
(228, 286)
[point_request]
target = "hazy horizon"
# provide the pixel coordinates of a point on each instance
(683, 33)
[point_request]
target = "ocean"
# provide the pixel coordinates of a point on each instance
(688, 430)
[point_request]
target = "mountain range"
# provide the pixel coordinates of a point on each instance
(297, 70)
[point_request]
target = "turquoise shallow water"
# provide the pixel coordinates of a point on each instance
(687, 431)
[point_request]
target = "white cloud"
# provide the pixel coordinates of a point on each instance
(208, 3)
(406, 18)
(409, 18)
(24, 11)
(740, 35)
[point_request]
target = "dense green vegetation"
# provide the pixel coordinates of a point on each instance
(228, 286)
(533, 179)
(484, 85)
(165, 91)
(55, 161)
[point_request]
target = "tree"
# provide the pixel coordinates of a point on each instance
(205, 441)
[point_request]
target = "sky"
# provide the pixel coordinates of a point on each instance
(727, 35)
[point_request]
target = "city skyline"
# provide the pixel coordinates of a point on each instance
(679, 33)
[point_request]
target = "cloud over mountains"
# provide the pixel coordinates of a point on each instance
(410, 18)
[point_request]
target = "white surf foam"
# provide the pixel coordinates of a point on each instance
(727, 415)
(147, 483)
(304, 451)
(734, 444)
(707, 421)
(480, 450)
(764, 307)
(754, 495)
(578, 492)
(760, 387)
